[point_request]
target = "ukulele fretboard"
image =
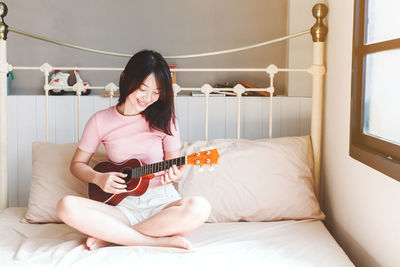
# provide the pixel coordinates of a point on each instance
(157, 167)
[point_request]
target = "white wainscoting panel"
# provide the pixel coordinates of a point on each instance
(26, 124)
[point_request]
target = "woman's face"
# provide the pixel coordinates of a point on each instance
(145, 95)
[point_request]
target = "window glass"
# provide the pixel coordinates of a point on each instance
(382, 95)
(382, 20)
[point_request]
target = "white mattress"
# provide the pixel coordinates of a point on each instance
(287, 243)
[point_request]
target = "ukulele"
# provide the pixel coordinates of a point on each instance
(138, 175)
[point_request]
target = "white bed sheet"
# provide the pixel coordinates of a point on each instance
(286, 243)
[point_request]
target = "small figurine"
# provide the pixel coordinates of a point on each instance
(60, 79)
(85, 84)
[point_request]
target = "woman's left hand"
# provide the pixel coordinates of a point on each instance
(172, 174)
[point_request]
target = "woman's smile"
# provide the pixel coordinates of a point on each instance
(142, 104)
(141, 98)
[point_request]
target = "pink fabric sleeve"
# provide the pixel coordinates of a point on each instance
(90, 139)
(172, 142)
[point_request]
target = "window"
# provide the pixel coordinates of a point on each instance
(375, 101)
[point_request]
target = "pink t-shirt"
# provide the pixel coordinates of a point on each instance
(127, 137)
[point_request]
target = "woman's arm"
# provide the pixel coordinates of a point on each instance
(80, 169)
(110, 182)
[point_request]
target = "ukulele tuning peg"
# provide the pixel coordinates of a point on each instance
(201, 169)
(211, 168)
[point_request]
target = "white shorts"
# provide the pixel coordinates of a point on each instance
(138, 209)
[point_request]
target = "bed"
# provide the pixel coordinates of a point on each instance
(263, 193)
(284, 243)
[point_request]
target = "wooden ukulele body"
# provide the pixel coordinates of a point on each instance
(135, 186)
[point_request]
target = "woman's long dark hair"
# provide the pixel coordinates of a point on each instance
(159, 114)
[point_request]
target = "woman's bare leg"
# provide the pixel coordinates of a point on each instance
(104, 222)
(177, 218)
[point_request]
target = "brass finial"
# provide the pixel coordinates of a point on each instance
(3, 25)
(319, 30)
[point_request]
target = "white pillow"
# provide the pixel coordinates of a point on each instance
(263, 180)
(51, 180)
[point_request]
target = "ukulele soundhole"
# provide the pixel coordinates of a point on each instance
(128, 172)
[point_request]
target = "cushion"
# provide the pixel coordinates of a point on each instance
(255, 180)
(51, 180)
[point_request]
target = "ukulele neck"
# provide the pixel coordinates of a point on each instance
(157, 167)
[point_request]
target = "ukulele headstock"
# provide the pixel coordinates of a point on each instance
(206, 157)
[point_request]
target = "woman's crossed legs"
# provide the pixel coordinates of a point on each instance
(105, 224)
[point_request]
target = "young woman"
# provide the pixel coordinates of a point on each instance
(142, 125)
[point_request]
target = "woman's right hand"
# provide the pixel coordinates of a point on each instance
(112, 182)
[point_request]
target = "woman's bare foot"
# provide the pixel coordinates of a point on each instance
(175, 241)
(93, 243)
(172, 241)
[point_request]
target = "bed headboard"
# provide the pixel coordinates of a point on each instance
(316, 70)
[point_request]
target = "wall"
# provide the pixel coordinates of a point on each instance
(173, 27)
(361, 204)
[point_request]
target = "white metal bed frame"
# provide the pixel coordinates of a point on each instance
(317, 70)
